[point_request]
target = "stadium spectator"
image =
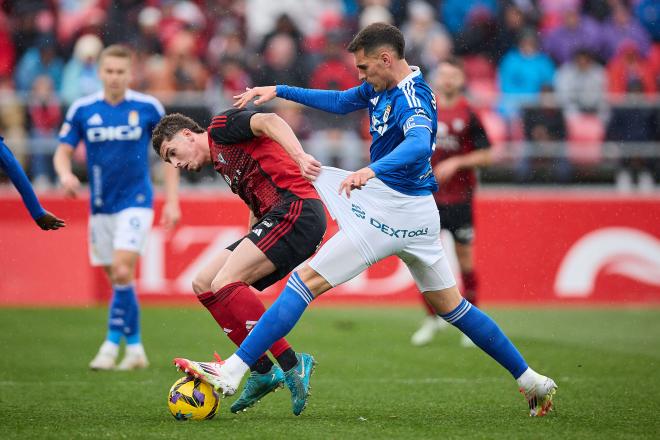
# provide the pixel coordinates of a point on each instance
(7, 50)
(418, 29)
(454, 13)
(12, 118)
(545, 140)
(281, 63)
(80, 75)
(648, 12)
(629, 71)
(621, 27)
(44, 116)
(581, 86)
(575, 32)
(522, 73)
(480, 36)
(41, 59)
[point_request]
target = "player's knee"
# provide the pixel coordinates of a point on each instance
(219, 282)
(122, 273)
(201, 284)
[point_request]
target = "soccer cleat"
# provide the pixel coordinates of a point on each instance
(133, 362)
(539, 397)
(103, 361)
(297, 380)
(257, 386)
(208, 372)
(430, 326)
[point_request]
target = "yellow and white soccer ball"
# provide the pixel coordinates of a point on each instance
(191, 398)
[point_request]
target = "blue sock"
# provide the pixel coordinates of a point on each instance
(277, 321)
(485, 333)
(124, 315)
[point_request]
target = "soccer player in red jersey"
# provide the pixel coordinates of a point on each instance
(263, 162)
(462, 146)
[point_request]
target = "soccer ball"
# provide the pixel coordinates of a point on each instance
(191, 398)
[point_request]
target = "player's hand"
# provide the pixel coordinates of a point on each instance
(446, 169)
(170, 215)
(265, 94)
(356, 180)
(70, 185)
(49, 222)
(310, 168)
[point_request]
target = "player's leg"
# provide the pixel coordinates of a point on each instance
(336, 262)
(100, 235)
(129, 230)
(435, 282)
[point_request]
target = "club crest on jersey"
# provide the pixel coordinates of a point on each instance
(221, 159)
(386, 114)
(133, 118)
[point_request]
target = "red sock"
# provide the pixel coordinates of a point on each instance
(236, 309)
(470, 285)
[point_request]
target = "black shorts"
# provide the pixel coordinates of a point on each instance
(288, 235)
(457, 219)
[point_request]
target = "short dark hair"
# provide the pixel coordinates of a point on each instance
(453, 61)
(169, 126)
(377, 35)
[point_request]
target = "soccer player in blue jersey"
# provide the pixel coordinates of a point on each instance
(116, 124)
(44, 219)
(394, 213)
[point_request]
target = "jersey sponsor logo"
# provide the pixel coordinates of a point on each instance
(386, 229)
(118, 133)
(358, 211)
(622, 251)
(133, 118)
(95, 119)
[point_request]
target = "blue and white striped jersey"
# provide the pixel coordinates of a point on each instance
(117, 139)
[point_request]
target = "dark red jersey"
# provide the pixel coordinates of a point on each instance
(459, 132)
(256, 168)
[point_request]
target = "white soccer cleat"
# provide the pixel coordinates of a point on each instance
(539, 396)
(426, 333)
(103, 361)
(133, 362)
(209, 372)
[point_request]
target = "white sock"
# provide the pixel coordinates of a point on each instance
(235, 368)
(109, 348)
(135, 349)
(528, 379)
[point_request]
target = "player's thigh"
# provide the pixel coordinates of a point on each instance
(338, 260)
(100, 230)
(246, 263)
(132, 228)
(435, 277)
(203, 278)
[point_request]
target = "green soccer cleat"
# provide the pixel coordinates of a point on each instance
(297, 379)
(257, 386)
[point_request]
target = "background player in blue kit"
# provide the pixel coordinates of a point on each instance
(116, 124)
(44, 219)
(394, 214)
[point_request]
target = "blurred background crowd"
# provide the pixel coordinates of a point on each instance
(566, 89)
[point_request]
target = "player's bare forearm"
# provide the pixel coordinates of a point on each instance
(475, 159)
(274, 127)
(62, 165)
(171, 211)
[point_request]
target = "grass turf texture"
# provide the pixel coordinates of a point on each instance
(370, 382)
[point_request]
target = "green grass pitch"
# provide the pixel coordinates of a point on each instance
(370, 383)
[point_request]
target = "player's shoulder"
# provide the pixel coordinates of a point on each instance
(413, 91)
(143, 98)
(83, 103)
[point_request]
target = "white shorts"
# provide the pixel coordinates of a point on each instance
(125, 230)
(377, 222)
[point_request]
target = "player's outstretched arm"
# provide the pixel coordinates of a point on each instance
(263, 95)
(273, 126)
(49, 222)
(62, 163)
(171, 213)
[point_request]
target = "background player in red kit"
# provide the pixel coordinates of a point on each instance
(461, 146)
(263, 162)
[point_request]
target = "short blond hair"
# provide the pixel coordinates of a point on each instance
(116, 50)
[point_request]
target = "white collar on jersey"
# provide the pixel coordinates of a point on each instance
(411, 75)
